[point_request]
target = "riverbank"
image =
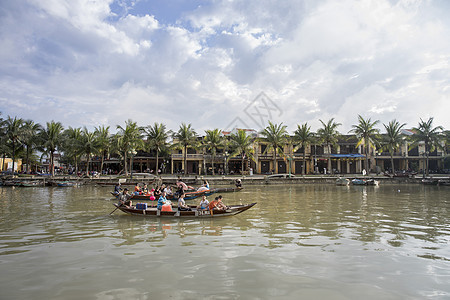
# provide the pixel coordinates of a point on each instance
(230, 180)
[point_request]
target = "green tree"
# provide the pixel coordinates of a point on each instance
(393, 138)
(430, 136)
(51, 139)
(4, 147)
(14, 133)
(103, 141)
(157, 136)
(447, 149)
(367, 134)
(72, 145)
(88, 145)
(185, 137)
(129, 139)
(30, 139)
(213, 140)
(303, 137)
(241, 144)
(328, 136)
(275, 136)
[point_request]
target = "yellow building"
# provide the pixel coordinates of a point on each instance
(6, 163)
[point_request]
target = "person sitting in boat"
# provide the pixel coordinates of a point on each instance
(137, 189)
(204, 204)
(182, 204)
(157, 192)
(124, 198)
(179, 192)
(221, 205)
(168, 190)
(117, 189)
(238, 183)
(217, 204)
(144, 190)
(182, 185)
(161, 201)
(204, 187)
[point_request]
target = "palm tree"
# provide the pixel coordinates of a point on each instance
(275, 137)
(129, 140)
(329, 135)
(103, 139)
(88, 145)
(213, 141)
(303, 137)
(393, 138)
(447, 141)
(30, 140)
(14, 133)
(157, 136)
(430, 136)
(367, 134)
(52, 138)
(185, 137)
(4, 149)
(242, 144)
(71, 144)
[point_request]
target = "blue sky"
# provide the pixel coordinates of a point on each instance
(220, 64)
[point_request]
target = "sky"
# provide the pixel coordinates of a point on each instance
(225, 63)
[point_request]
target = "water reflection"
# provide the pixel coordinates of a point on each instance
(363, 238)
(284, 215)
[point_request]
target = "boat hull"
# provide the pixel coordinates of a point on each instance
(152, 212)
(364, 182)
(227, 190)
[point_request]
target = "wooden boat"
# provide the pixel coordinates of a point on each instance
(342, 181)
(371, 182)
(28, 183)
(227, 190)
(358, 181)
(143, 197)
(66, 183)
(444, 182)
(430, 181)
(9, 182)
(175, 213)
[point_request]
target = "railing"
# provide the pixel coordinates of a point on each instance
(189, 156)
(395, 154)
(216, 157)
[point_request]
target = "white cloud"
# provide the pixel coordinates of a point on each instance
(80, 63)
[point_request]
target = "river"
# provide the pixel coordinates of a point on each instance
(298, 242)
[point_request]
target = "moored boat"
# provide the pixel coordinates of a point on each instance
(227, 190)
(151, 211)
(66, 183)
(358, 181)
(342, 181)
(444, 182)
(430, 181)
(28, 183)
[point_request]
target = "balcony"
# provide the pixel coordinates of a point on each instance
(395, 154)
(189, 156)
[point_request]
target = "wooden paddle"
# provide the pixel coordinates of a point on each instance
(115, 209)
